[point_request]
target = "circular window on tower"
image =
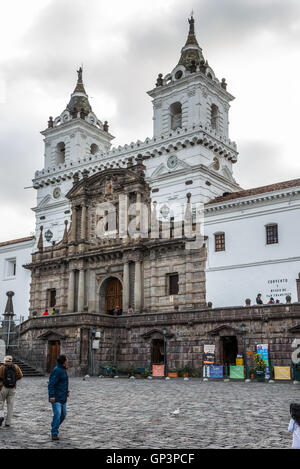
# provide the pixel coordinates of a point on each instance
(178, 74)
(57, 193)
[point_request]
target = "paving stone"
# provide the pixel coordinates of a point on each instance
(115, 414)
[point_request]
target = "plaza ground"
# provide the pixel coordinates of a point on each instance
(123, 413)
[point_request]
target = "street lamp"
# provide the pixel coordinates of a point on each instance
(243, 327)
(164, 331)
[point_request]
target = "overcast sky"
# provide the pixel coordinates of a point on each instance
(123, 46)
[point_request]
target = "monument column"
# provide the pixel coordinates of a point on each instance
(71, 292)
(138, 286)
(73, 228)
(81, 291)
(83, 222)
(125, 287)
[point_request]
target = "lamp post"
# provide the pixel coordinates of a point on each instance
(243, 327)
(164, 331)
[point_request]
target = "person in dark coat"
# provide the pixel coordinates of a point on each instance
(58, 389)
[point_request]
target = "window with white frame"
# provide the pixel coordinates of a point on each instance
(10, 267)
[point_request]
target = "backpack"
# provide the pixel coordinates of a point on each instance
(10, 376)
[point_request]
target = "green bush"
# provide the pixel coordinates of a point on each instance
(259, 364)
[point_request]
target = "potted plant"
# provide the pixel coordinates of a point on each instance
(259, 367)
(172, 373)
(186, 371)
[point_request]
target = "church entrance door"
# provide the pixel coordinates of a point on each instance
(229, 350)
(54, 352)
(113, 295)
(157, 351)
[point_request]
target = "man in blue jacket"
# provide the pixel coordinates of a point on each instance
(58, 388)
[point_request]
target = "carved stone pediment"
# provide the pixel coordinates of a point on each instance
(295, 329)
(156, 334)
(225, 330)
(51, 335)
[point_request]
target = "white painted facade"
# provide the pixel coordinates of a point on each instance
(190, 152)
(249, 265)
(13, 277)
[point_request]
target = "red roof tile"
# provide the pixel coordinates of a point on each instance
(256, 191)
(15, 241)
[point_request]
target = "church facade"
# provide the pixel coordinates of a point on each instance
(155, 243)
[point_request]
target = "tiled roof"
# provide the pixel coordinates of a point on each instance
(16, 241)
(256, 191)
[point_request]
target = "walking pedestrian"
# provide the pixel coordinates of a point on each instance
(294, 425)
(9, 375)
(58, 388)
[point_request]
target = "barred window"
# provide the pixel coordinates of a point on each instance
(51, 298)
(173, 284)
(272, 234)
(220, 242)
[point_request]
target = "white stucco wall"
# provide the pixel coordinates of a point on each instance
(20, 283)
(248, 265)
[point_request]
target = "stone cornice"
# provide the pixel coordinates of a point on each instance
(149, 148)
(251, 200)
(194, 78)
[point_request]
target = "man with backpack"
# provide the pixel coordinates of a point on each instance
(9, 375)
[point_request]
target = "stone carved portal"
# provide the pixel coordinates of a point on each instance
(110, 295)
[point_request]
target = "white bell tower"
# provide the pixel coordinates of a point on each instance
(72, 141)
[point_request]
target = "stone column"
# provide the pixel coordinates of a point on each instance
(81, 291)
(83, 222)
(138, 210)
(71, 292)
(125, 287)
(138, 286)
(298, 287)
(73, 228)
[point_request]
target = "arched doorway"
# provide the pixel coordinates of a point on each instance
(110, 295)
(229, 350)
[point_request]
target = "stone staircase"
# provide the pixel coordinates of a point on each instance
(26, 369)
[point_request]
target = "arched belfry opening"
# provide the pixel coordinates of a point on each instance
(111, 291)
(176, 115)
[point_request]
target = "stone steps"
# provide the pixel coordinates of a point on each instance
(26, 369)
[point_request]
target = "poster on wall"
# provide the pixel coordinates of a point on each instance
(209, 354)
(158, 371)
(263, 351)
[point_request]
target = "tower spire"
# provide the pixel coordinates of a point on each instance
(79, 101)
(191, 53)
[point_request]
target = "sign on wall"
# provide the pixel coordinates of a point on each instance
(282, 372)
(236, 372)
(209, 354)
(278, 289)
(158, 371)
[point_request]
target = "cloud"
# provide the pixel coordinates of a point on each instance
(123, 46)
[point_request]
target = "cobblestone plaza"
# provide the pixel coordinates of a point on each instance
(136, 413)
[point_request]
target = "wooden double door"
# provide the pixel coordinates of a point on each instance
(54, 352)
(113, 295)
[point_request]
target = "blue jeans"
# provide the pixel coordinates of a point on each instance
(59, 415)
